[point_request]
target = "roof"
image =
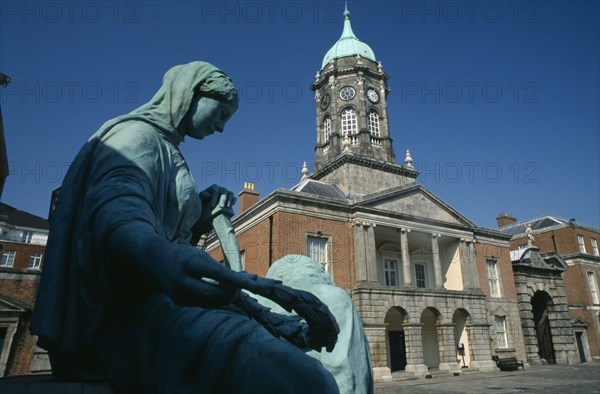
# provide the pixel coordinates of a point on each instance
(348, 45)
(20, 218)
(537, 223)
(320, 189)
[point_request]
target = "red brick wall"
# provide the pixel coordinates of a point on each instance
(565, 239)
(289, 237)
(22, 252)
(502, 256)
(24, 290)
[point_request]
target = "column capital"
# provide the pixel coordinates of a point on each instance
(363, 223)
(404, 230)
(435, 235)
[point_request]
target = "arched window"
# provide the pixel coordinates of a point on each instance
(326, 129)
(349, 125)
(374, 124)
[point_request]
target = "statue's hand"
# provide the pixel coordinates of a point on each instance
(183, 284)
(323, 329)
(291, 328)
(211, 197)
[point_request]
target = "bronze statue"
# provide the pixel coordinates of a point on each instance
(126, 296)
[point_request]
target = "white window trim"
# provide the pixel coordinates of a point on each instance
(595, 247)
(373, 122)
(591, 278)
(493, 278)
(396, 270)
(501, 335)
(10, 258)
(326, 129)
(424, 276)
(581, 242)
(328, 264)
(37, 261)
(349, 122)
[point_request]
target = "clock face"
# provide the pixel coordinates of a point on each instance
(325, 102)
(373, 96)
(347, 93)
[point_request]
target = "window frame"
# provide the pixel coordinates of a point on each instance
(10, 258)
(37, 258)
(595, 250)
(424, 279)
(501, 332)
(581, 242)
(493, 280)
(327, 129)
(328, 264)
(349, 122)
(373, 124)
(593, 286)
(393, 271)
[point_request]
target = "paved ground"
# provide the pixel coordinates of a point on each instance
(546, 379)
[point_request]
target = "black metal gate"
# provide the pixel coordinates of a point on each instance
(397, 350)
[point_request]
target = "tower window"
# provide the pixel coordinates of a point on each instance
(349, 124)
(326, 130)
(374, 124)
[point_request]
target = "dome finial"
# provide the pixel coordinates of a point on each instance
(304, 171)
(348, 44)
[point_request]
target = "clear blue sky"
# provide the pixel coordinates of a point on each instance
(498, 101)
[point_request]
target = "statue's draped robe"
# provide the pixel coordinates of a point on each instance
(100, 317)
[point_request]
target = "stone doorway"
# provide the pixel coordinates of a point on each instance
(580, 348)
(429, 337)
(396, 342)
(540, 303)
(461, 337)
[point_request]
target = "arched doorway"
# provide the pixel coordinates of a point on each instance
(429, 337)
(396, 344)
(461, 337)
(540, 303)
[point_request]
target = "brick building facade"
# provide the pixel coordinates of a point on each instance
(577, 244)
(433, 289)
(22, 243)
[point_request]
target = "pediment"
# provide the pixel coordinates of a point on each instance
(415, 201)
(579, 322)
(532, 258)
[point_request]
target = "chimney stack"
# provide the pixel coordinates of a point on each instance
(505, 219)
(248, 196)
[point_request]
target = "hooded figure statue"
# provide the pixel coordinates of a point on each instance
(121, 296)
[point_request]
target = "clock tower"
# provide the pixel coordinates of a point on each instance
(351, 97)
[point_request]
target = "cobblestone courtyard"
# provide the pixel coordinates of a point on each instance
(571, 379)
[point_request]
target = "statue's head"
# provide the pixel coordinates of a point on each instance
(195, 99)
(294, 270)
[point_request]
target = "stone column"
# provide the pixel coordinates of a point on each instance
(365, 258)
(437, 265)
(376, 336)
(447, 348)
(480, 346)
(414, 349)
(371, 252)
(406, 266)
(468, 268)
(360, 253)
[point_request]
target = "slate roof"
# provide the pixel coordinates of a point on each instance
(320, 189)
(538, 223)
(20, 218)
